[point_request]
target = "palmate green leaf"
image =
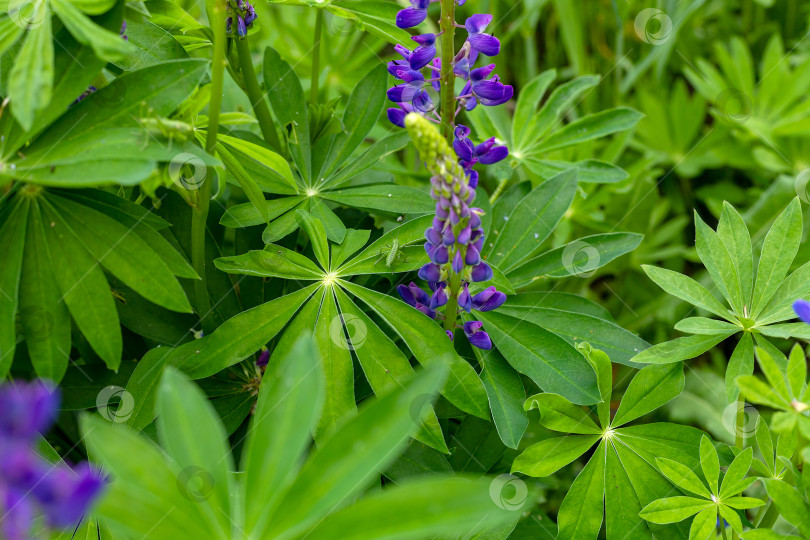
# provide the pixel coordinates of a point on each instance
(559, 414)
(575, 328)
(290, 109)
(778, 251)
(551, 362)
(527, 102)
(407, 234)
(547, 457)
(734, 481)
(600, 362)
(383, 364)
(650, 389)
(580, 257)
(590, 127)
(44, 317)
(274, 163)
(106, 44)
(590, 171)
(709, 463)
(143, 488)
(348, 461)
(234, 340)
(779, 308)
(740, 363)
(247, 215)
(361, 114)
(682, 476)
(622, 504)
(790, 503)
(532, 221)
(561, 99)
(31, 79)
(374, 155)
(687, 289)
(13, 233)
(336, 362)
(287, 410)
(335, 229)
(192, 435)
(650, 441)
(674, 509)
(733, 232)
(679, 349)
(124, 254)
(411, 511)
(272, 261)
(83, 286)
(576, 518)
(506, 394)
(317, 236)
(706, 326)
(719, 263)
(354, 240)
(386, 198)
(162, 87)
(430, 346)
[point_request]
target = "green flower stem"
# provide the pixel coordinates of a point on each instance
(447, 80)
(256, 96)
(316, 58)
(451, 308)
(739, 435)
(202, 198)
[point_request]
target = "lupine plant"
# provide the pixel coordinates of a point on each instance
(404, 269)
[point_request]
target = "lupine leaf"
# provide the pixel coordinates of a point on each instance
(678, 349)
(13, 232)
(733, 232)
(718, 262)
(650, 389)
(674, 509)
(592, 126)
(577, 518)
(740, 363)
(790, 503)
(687, 289)
(682, 476)
(710, 463)
(559, 414)
(548, 456)
(387, 198)
(735, 474)
(506, 394)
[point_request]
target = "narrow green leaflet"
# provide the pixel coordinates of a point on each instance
(651, 388)
(13, 233)
(576, 518)
(506, 395)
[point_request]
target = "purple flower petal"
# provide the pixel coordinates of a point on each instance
(410, 17)
(397, 117)
(464, 235)
(425, 39)
(28, 409)
(488, 299)
(440, 255)
(448, 238)
(485, 44)
(494, 155)
(477, 23)
(430, 272)
(481, 272)
(422, 56)
(458, 262)
(481, 73)
(439, 298)
(507, 95)
(480, 340)
(264, 358)
(433, 236)
(472, 257)
(802, 309)
(464, 149)
(449, 334)
(464, 299)
(488, 90)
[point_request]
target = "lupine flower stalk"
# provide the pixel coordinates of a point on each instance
(29, 485)
(453, 242)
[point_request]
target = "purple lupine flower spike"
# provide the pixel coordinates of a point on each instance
(244, 14)
(455, 241)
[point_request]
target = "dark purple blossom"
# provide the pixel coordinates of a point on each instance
(480, 42)
(802, 309)
(30, 486)
(413, 15)
(245, 15)
(477, 336)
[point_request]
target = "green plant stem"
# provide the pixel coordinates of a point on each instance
(447, 80)
(316, 58)
(739, 436)
(498, 190)
(257, 100)
(202, 198)
(451, 309)
(722, 527)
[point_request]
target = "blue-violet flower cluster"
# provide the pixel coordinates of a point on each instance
(244, 14)
(29, 485)
(455, 240)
